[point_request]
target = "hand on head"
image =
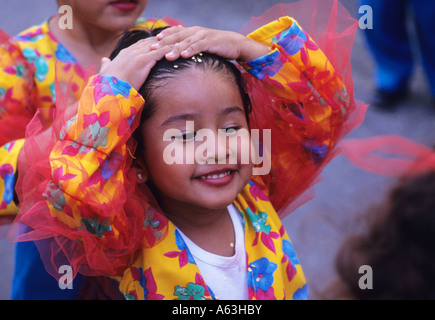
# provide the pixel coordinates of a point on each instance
(134, 63)
(190, 41)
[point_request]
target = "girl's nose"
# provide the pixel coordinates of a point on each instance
(223, 153)
(213, 148)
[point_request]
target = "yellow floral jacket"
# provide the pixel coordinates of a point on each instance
(90, 194)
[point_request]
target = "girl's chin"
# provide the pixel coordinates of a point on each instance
(215, 201)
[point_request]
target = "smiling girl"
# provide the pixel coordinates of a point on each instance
(111, 204)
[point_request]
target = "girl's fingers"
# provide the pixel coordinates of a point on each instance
(191, 41)
(185, 48)
(160, 53)
(195, 48)
(144, 44)
(185, 43)
(134, 64)
(177, 36)
(169, 31)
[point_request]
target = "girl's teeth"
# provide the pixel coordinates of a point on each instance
(216, 176)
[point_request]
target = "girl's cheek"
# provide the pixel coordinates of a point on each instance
(240, 149)
(178, 152)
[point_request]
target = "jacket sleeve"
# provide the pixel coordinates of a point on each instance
(305, 103)
(16, 94)
(88, 202)
(16, 91)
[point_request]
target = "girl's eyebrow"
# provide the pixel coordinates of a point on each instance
(229, 110)
(191, 116)
(179, 117)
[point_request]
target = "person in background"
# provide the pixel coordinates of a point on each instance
(397, 243)
(396, 49)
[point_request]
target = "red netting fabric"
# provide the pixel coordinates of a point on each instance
(294, 169)
(391, 155)
(58, 240)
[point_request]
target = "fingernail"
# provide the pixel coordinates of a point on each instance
(171, 54)
(155, 46)
(160, 36)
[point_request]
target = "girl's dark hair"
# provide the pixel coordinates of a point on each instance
(165, 69)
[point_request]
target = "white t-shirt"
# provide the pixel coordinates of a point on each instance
(226, 276)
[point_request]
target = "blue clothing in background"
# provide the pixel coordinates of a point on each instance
(392, 45)
(32, 282)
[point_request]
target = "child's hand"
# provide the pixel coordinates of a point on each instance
(133, 64)
(187, 42)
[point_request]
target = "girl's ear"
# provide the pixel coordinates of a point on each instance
(141, 171)
(141, 176)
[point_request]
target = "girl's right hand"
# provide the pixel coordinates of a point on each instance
(133, 64)
(188, 41)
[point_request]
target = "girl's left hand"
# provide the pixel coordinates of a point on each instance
(189, 41)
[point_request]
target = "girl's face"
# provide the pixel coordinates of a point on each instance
(108, 15)
(208, 100)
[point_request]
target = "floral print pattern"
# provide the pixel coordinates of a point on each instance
(27, 82)
(8, 175)
(184, 255)
(149, 258)
(260, 279)
(147, 282)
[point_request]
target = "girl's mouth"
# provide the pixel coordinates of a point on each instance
(217, 178)
(125, 5)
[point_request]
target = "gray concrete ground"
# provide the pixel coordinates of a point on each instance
(319, 227)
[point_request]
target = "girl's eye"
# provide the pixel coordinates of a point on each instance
(188, 136)
(230, 130)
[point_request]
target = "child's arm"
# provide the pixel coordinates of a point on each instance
(16, 91)
(16, 100)
(88, 195)
(313, 114)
